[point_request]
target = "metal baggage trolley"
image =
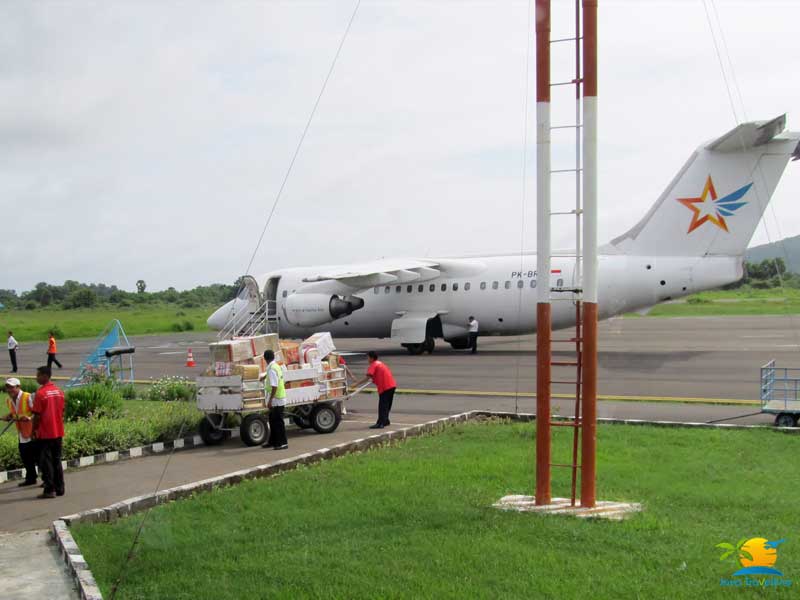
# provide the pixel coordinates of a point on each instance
(779, 393)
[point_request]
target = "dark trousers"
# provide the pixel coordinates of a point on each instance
(277, 428)
(51, 358)
(13, 355)
(29, 453)
(385, 400)
(50, 465)
(473, 342)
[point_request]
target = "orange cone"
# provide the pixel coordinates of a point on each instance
(190, 359)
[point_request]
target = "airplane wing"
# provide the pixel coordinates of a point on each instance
(379, 273)
(388, 272)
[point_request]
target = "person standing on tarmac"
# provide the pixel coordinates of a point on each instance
(52, 349)
(276, 400)
(48, 429)
(473, 334)
(12, 351)
(383, 379)
(20, 410)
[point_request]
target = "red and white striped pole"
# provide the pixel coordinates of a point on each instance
(590, 259)
(543, 325)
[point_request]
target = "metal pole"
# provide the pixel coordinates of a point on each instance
(543, 326)
(590, 262)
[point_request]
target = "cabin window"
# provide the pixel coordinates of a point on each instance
(508, 285)
(409, 289)
(467, 286)
(520, 284)
(387, 289)
(495, 285)
(560, 283)
(398, 289)
(533, 284)
(483, 285)
(455, 287)
(444, 287)
(432, 287)
(421, 288)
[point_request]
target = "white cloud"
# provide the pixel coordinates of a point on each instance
(147, 140)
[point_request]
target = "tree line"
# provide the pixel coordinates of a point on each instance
(767, 274)
(73, 295)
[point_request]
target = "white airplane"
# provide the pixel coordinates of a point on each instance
(692, 239)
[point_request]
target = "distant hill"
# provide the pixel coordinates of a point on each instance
(788, 249)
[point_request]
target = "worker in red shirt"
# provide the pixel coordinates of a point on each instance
(383, 379)
(48, 429)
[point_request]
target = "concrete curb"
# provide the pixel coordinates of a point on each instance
(184, 443)
(76, 564)
(85, 581)
(525, 417)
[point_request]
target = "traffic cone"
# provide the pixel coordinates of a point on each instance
(190, 359)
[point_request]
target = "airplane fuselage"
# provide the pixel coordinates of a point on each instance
(501, 293)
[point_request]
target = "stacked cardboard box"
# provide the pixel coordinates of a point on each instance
(322, 342)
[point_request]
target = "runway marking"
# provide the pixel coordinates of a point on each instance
(178, 352)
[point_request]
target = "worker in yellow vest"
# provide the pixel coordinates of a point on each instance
(19, 410)
(276, 400)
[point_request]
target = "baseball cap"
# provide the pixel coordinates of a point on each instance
(12, 381)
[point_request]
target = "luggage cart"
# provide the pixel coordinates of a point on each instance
(318, 406)
(780, 387)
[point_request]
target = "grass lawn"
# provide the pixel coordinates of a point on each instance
(415, 521)
(33, 325)
(732, 303)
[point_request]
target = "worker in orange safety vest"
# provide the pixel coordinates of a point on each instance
(19, 410)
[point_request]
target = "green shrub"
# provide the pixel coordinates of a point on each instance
(697, 300)
(128, 391)
(104, 434)
(28, 385)
(169, 389)
(177, 327)
(188, 326)
(94, 400)
(57, 333)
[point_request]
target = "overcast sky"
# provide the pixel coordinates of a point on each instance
(147, 140)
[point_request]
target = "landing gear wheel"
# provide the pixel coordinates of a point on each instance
(211, 434)
(786, 420)
(415, 349)
(254, 430)
(301, 422)
(460, 344)
(429, 345)
(325, 419)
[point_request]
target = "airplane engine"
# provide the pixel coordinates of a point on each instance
(310, 310)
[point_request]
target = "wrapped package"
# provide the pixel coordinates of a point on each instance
(223, 369)
(323, 342)
(261, 343)
(231, 351)
(248, 372)
(291, 352)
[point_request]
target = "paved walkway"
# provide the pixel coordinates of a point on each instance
(105, 484)
(44, 575)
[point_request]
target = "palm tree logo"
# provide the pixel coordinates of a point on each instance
(734, 553)
(757, 556)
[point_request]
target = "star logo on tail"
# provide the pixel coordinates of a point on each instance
(707, 207)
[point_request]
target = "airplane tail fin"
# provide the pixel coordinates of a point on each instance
(714, 203)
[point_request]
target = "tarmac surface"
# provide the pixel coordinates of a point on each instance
(684, 357)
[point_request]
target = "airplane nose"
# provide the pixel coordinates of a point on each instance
(219, 318)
